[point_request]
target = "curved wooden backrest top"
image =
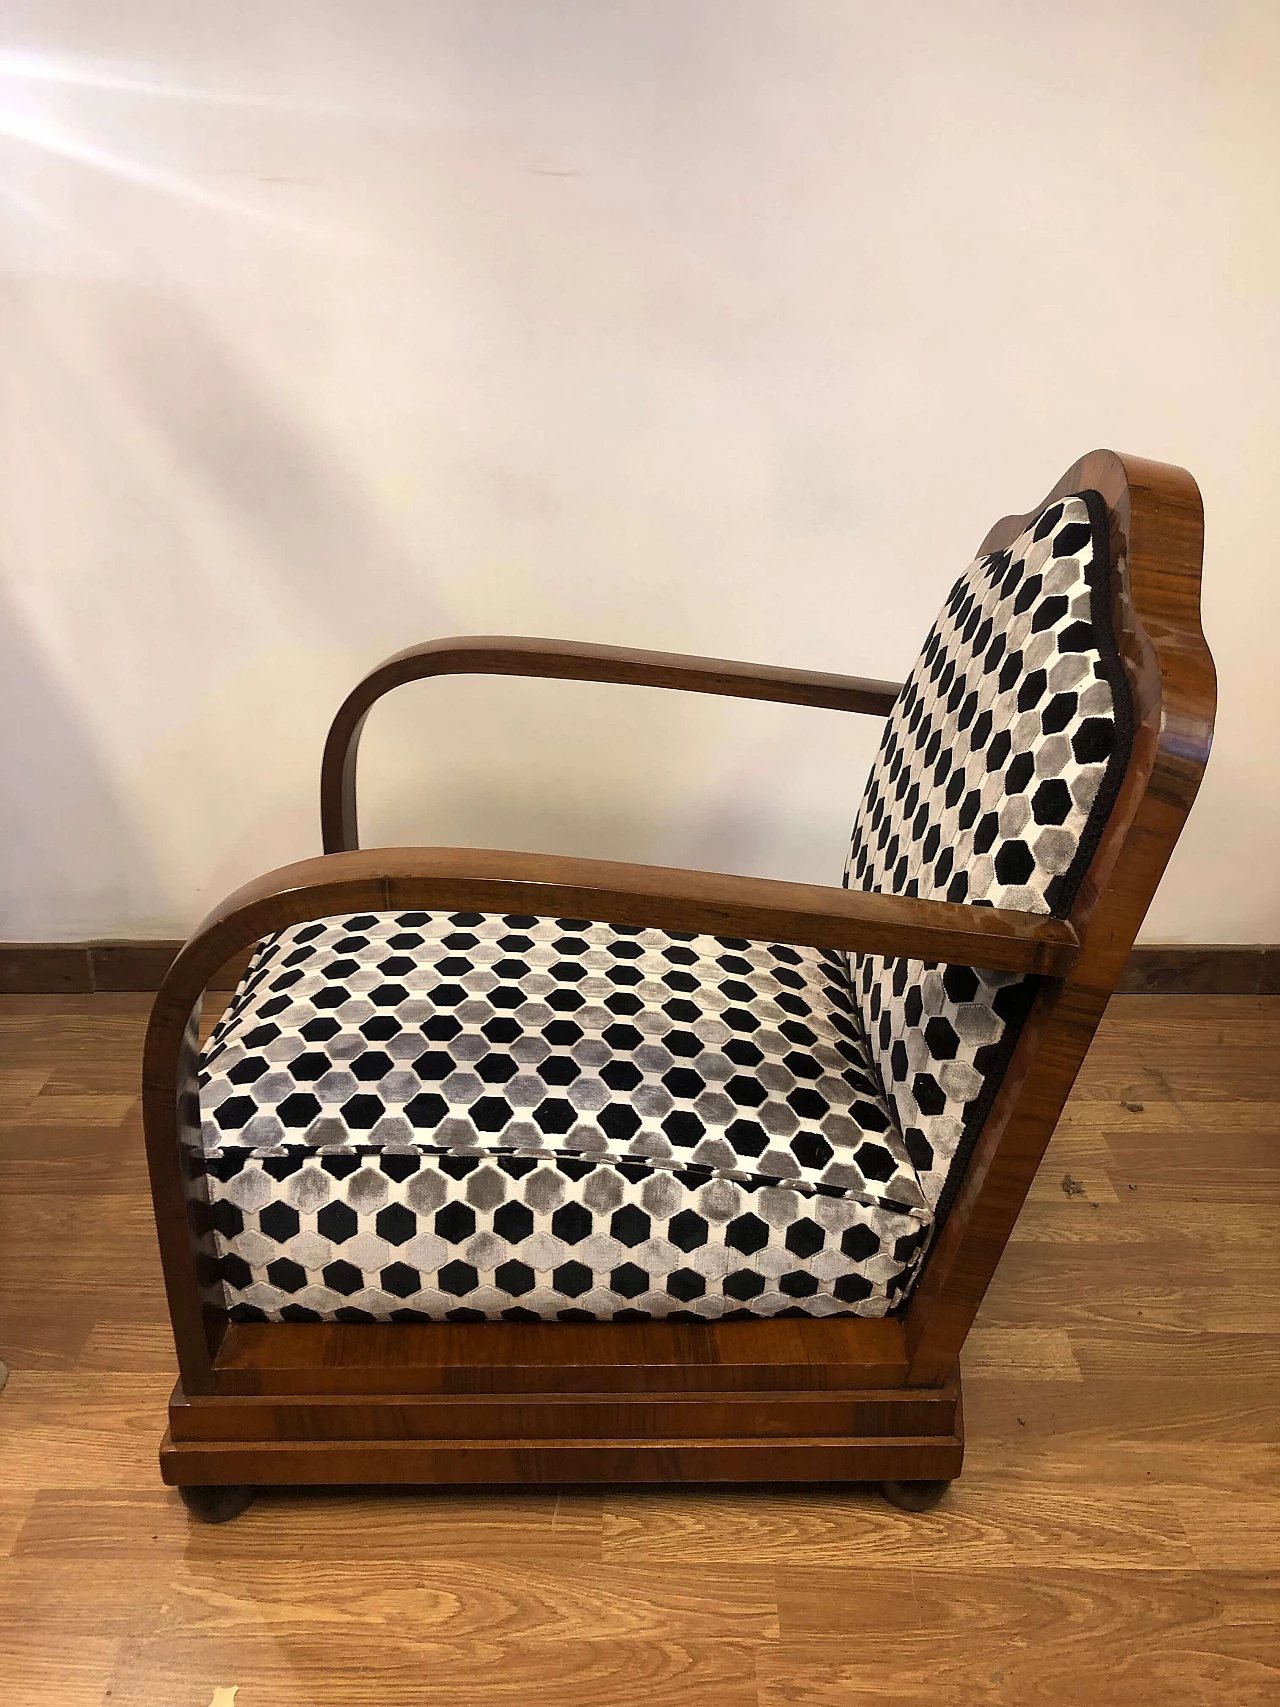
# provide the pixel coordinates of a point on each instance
(1156, 542)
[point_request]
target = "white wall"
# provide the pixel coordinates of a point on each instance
(714, 325)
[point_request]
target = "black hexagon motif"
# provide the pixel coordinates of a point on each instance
(743, 1053)
(434, 1065)
(235, 1112)
(279, 1221)
(396, 1224)
(555, 1115)
(1051, 802)
(456, 1278)
(682, 1043)
(859, 1242)
(621, 1075)
(1094, 740)
(984, 837)
(490, 1114)
(235, 1271)
(372, 1065)
(798, 1284)
(363, 1112)
(426, 1109)
(564, 1033)
(298, 1109)
(748, 1233)
(748, 1137)
(684, 1082)
(852, 1288)
(628, 1281)
(1015, 862)
(630, 1225)
(805, 1238)
(496, 1069)
(875, 1161)
(513, 1222)
(312, 1065)
(455, 1222)
(342, 1277)
(246, 1071)
(288, 1275)
(559, 1070)
(940, 1035)
(402, 1281)
(571, 1222)
(743, 1283)
(338, 1222)
(747, 1093)
(929, 1095)
(687, 1230)
(318, 1030)
(683, 1127)
(571, 1278)
(618, 1121)
(504, 1029)
(440, 1028)
(517, 1278)
(225, 1218)
(960, 983)
(811, 1150)
(808, 1103)
(686, 1284)
(388, 995)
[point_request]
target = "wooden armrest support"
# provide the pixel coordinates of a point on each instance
(513, 655)
(552, 886)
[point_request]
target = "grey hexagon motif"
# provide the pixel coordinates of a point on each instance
(428, 1116)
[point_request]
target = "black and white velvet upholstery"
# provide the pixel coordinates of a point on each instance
(466, 1116)
(998, 769)
(425, 1115)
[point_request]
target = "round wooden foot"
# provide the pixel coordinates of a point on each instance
(216, 1504)
(914, 1496)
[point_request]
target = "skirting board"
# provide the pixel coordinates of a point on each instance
(86, 968)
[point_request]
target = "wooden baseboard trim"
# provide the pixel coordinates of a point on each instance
(92, 968)
(1203, 969)
(87, 968)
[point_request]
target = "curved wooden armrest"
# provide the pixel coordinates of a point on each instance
(514, 655)
(486, 880)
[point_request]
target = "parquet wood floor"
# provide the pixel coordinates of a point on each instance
(1115, 1538)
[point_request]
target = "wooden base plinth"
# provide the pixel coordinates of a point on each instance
(788, 1401)
(262, 1463)
(774, 1401)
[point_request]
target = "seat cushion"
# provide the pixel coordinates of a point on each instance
(999, 767)
(429, 1116)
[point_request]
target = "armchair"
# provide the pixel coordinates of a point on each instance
(505, 1167)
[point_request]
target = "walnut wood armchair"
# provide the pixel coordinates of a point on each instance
(506, 1168)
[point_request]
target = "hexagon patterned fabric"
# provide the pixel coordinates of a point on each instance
(466, 1116)
(458, 1116)
(998, 769)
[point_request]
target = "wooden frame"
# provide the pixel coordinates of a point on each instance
(778, 1400)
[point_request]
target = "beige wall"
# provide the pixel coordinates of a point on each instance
(715, 325)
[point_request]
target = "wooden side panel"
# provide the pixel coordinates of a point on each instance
(791, 1354)
(512, 1462)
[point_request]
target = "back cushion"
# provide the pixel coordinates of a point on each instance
(999, 766)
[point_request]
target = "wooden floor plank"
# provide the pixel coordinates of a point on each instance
(378, 1670)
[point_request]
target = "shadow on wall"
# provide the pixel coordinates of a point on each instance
(70, 855)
